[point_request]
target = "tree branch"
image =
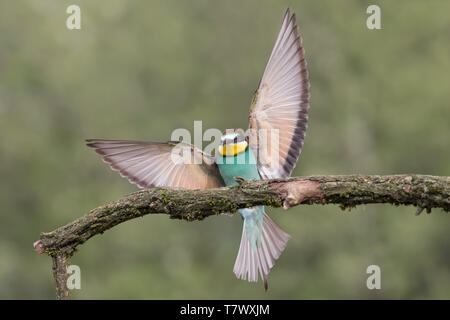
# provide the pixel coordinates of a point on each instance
(422, 191)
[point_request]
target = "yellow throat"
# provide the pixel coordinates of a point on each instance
(230, 150)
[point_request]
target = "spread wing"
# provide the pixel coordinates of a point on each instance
(281, 103)
(150, 164)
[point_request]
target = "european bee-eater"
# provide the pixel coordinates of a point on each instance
(280, 107)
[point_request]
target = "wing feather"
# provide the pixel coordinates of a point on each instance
(281, 103)
(150, 164)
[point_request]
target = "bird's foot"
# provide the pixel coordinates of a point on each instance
(239, 180)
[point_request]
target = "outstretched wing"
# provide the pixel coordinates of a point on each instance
(280, 105)
(150, 164)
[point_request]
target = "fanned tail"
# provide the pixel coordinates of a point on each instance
(250, 261)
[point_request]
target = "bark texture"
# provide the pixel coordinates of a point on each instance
(422, 191)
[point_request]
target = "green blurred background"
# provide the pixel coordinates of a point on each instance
(140, 69)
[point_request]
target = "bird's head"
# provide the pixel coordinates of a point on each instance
(232, 142)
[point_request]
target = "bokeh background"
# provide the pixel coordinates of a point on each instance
(140, 69)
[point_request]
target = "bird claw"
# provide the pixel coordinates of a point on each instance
(239, 180)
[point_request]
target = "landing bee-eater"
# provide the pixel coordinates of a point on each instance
(279, 106)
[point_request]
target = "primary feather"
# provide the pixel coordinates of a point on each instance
(280, 105)
(151, 164)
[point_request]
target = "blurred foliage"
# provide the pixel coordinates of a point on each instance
(140, 69)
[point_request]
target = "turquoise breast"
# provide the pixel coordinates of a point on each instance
(242, 165)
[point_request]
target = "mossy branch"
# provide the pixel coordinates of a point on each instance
(422, 191)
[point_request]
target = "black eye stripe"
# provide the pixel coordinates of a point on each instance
(234, 140)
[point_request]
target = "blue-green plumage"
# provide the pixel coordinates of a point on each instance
(241, 165)
(262, 240)
(244, 165)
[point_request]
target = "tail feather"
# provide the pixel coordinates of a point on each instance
(250, 262)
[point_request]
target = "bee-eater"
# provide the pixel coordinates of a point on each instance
(280, 105)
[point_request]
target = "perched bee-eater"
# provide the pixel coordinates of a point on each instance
(280, 107)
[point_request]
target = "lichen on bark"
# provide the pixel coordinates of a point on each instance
(422, 191)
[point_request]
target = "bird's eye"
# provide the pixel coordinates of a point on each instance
(235, 139)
